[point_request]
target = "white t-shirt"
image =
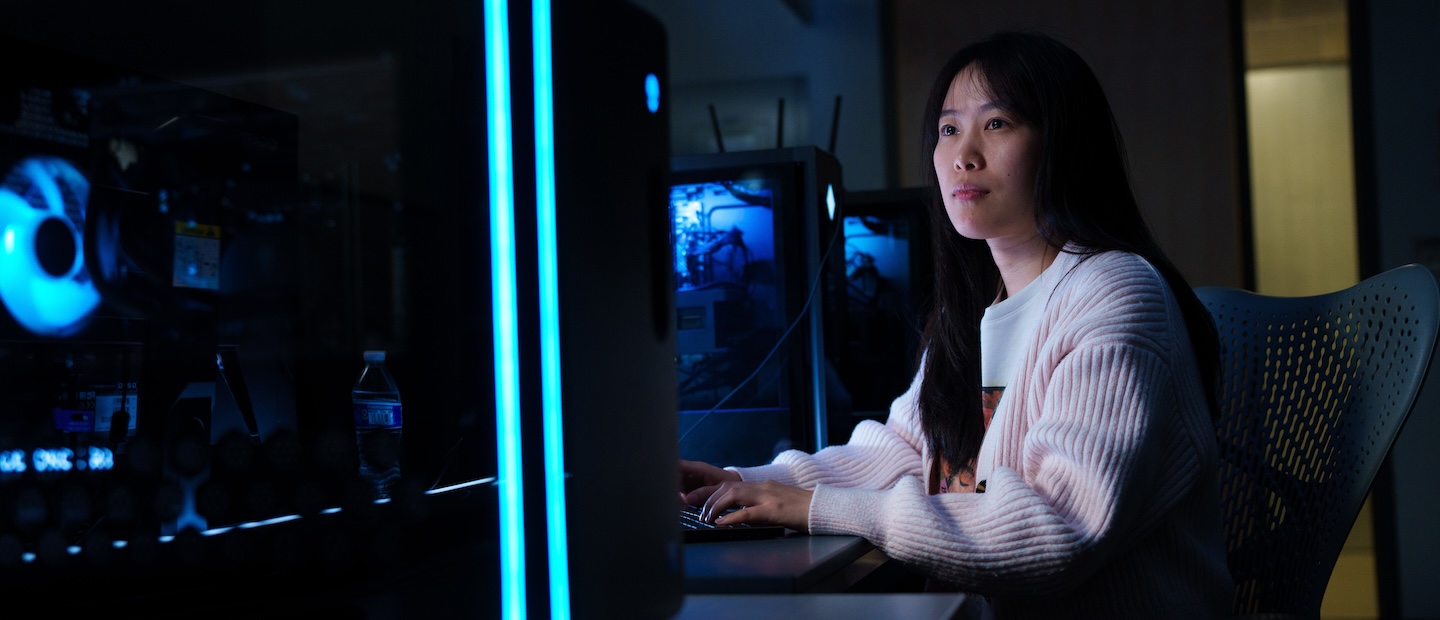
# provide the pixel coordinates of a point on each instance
(1006, 331)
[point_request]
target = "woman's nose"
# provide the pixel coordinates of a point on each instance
(968, 159)
(967, 155)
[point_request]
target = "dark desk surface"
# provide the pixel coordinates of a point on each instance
(829, 606)
(793, 563)
(800, 576)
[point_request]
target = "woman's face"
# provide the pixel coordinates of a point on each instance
(985, 161)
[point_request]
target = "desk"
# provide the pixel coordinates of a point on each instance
(800, 576)
(829, 606)
(789, 564)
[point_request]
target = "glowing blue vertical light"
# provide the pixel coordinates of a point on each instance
(502, 272)
(550, 315)
(652, 93)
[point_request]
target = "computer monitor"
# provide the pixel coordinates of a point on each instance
(758, 272)
(888, 288)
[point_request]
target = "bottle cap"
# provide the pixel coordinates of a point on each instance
(374, 356)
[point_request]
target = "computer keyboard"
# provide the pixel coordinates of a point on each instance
(694, 529)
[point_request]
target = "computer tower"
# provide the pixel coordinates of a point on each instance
(758, 262)
(382, 238)
(888, 290)
(617, 336)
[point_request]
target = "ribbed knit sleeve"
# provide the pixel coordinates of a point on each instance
(1094, 500)
(1040, 533)
(876, 456)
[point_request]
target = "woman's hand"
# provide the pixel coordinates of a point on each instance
(759, 502)
(698, 480)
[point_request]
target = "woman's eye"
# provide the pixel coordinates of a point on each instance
(947, 130)
(995, 123)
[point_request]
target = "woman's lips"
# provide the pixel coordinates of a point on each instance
(968, 192)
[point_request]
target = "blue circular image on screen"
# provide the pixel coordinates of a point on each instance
(43, 282)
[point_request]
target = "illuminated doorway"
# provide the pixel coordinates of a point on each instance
(1302, 177)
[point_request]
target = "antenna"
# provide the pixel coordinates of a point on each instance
(835, 124)
(715, 124)
(780, 125)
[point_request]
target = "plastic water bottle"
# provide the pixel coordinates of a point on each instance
(378, 421)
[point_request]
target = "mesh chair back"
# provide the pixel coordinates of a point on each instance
(1313, 392)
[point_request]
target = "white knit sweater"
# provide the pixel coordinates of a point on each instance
(1101, 496)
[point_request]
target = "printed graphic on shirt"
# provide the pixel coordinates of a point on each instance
(962, 480)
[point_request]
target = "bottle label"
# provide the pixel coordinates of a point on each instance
(378, 415)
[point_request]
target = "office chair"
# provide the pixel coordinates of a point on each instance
(1313, 392)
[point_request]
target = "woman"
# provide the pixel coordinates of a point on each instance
(1055, 452)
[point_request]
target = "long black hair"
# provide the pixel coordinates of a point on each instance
(1082, 196)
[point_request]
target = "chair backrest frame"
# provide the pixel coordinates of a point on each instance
(1313, 392)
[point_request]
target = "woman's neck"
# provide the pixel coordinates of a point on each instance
(1021, 263)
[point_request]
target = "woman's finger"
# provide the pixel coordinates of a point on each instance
(720, 500)
(739, 515)
(700, 496)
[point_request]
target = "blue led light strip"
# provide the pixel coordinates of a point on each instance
(502, 272)
(550, 315)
